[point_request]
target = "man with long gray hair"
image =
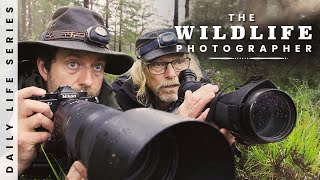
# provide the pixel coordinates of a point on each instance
(153, 79)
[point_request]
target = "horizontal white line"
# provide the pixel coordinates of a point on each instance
(248, 58)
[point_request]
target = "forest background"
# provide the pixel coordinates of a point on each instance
(297, 157)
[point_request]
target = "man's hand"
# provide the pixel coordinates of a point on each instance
(31, 115)
(195, 102)
(77, 171)
(229, 137)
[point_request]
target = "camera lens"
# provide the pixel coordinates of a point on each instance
(187, 75)
(142, 143)
(256, 113)
(271, 114)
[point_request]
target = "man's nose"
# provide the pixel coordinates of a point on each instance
(86, 77)
(170, 72)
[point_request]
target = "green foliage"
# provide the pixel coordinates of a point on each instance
(110, 78)
(225, 73)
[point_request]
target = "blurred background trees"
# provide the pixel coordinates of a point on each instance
(301, 66)
(125, 19)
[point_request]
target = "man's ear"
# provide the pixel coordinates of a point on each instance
(42, 69)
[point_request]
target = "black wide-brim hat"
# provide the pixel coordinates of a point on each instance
(77, 28)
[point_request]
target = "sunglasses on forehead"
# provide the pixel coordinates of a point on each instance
(163, 40)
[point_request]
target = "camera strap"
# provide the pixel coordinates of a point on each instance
(235, 151)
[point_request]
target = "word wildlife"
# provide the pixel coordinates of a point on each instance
(238, 33)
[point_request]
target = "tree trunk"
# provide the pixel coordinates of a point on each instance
(120, 25)
(142, 23)
(24, 20)
(107, 13)
(176, 11)
(115, 30)
(187, 9)
(76, 2)
(91, 4)
(86, 3)
(29, 27)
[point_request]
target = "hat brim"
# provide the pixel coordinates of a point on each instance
(164, 51)
(116, 62)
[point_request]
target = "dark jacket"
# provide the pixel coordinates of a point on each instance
(126, 92)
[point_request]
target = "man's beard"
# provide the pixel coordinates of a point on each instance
(52, 86)
(167, 95)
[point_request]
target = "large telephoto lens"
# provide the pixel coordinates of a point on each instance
(256, 113)
(142, 143)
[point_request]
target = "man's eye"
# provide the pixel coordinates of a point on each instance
(181, 61)
(98, 67)
(178, 62)
(73, 65)
(157, 64)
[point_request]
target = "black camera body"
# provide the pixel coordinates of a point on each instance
(256, 113)
(54, 99)
(61, 94)
(54, 147)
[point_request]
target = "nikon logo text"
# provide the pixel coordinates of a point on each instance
(67, 96)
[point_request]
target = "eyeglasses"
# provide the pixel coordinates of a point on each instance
(161, 67)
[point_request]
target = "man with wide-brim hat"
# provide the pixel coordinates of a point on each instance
(73, 51)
